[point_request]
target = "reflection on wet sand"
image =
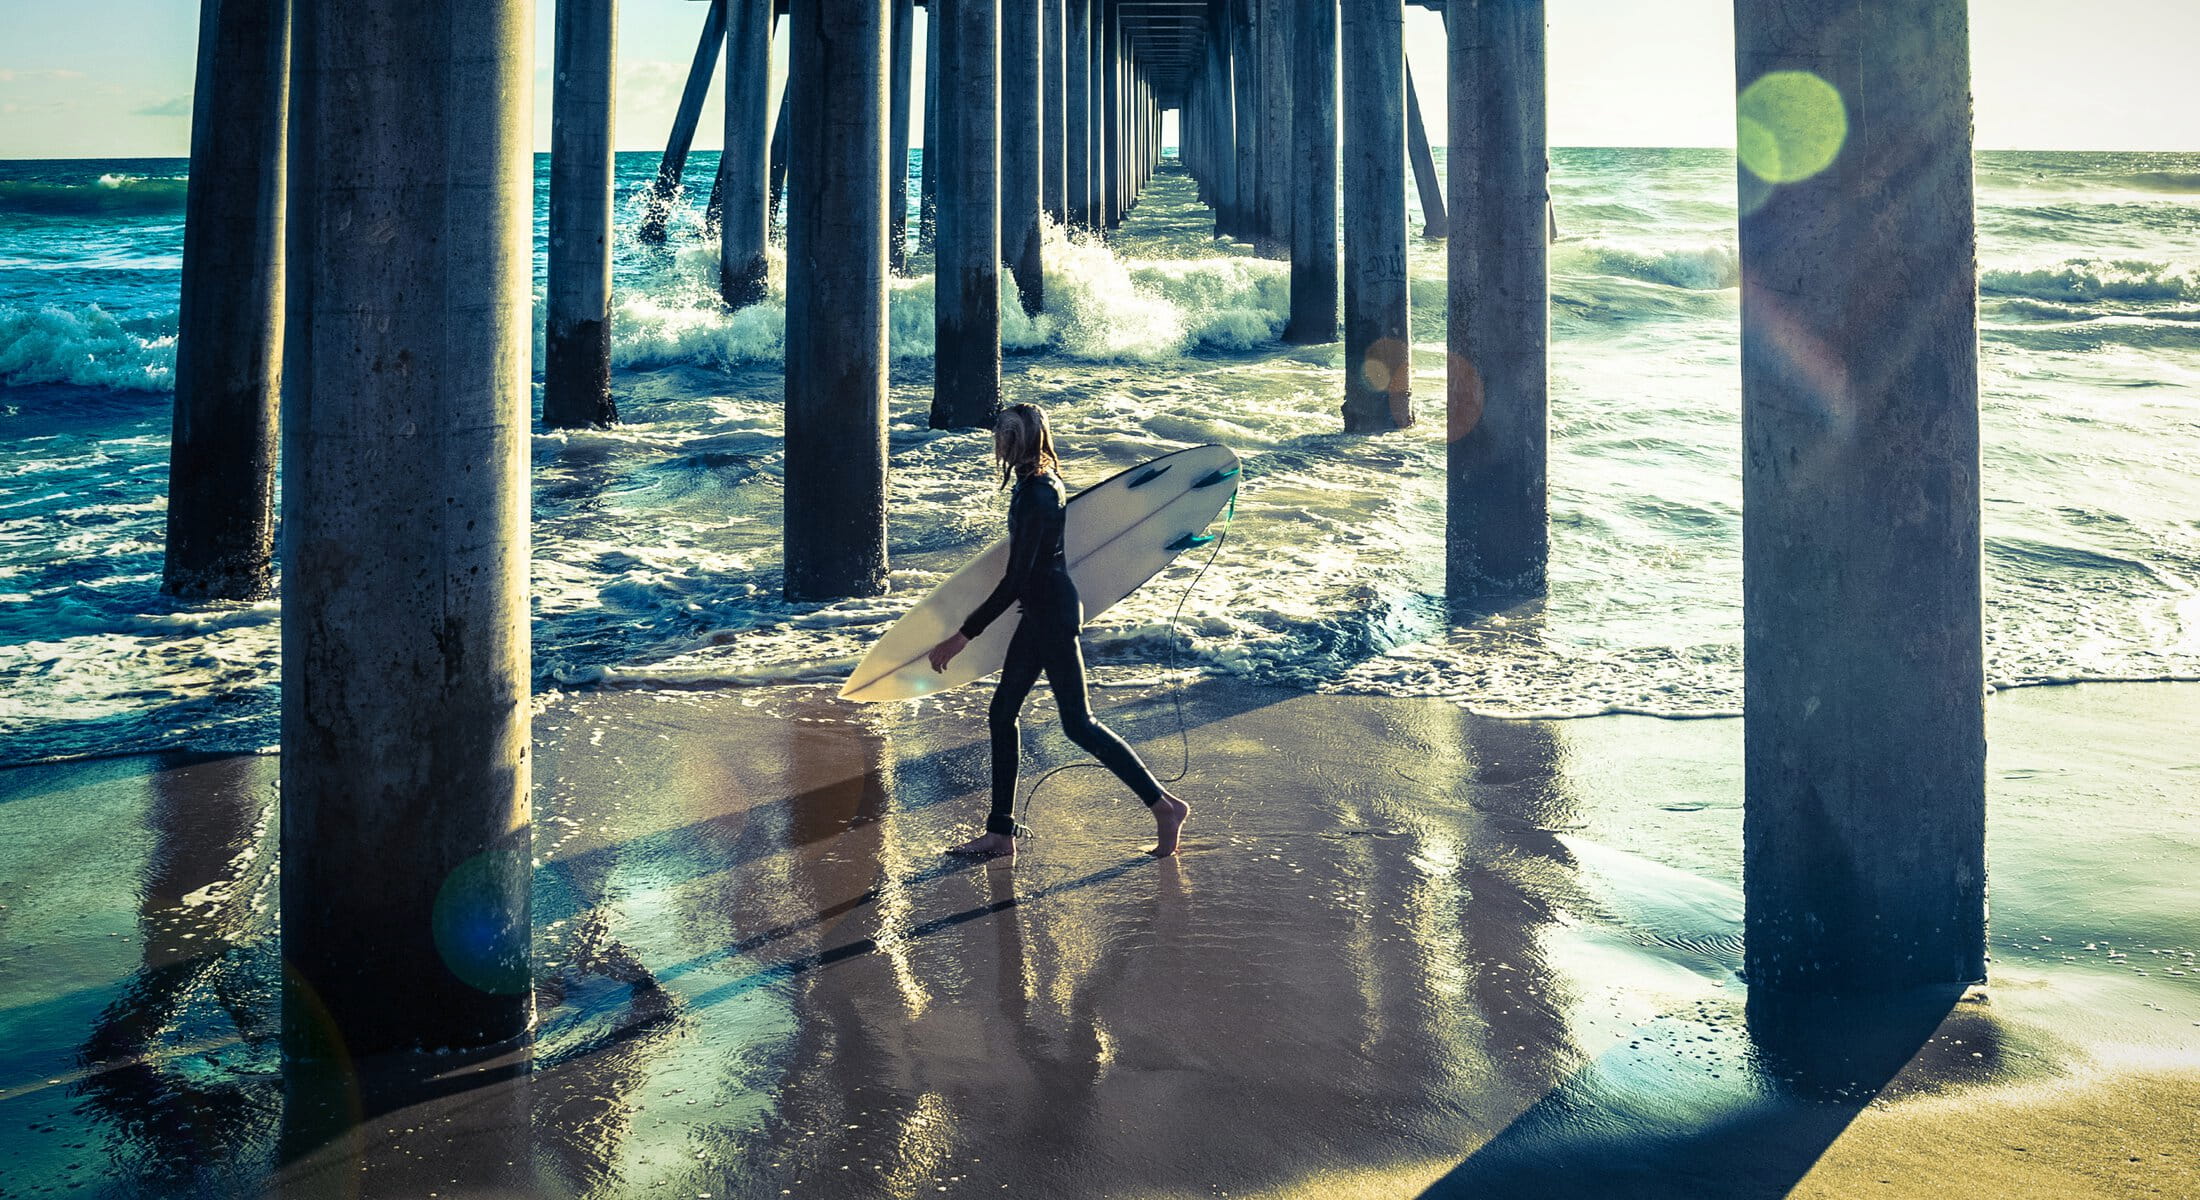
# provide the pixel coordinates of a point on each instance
(1406, 951)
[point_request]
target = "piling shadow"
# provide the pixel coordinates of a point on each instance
(1647, 1121)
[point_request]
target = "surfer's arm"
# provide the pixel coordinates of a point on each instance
(1024, 542)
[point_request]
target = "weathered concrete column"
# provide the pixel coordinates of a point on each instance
(1245, 78)
(897, 122)
(928, 171)
(1277, 183)
(1077, 110)
(1111, 106)
(674, 164)
(1435, 223)
(1378, 376)
(1053, 113)
(1227, 192)
(1314, 167)
(1096, 107)
(835, 501)
(576, 375)
(1021, 76)
(776, 187)
(1863, 836)
(221, 457)
(744, 231)
(405, 434)
(966, 371)
(1497, 531)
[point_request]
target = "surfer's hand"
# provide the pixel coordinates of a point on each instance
(943, 653)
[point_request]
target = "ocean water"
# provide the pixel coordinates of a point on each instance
(656, 551)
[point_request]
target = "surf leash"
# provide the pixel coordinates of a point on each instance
(1176, 620)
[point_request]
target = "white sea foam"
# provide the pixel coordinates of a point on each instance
(1098, 308)
(2092, 279)
(85, 346)
(1702, 266)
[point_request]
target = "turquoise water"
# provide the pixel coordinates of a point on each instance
(656, 543)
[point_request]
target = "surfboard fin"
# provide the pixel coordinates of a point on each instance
(1215, 477)
(1147, 476)
(1190, 540)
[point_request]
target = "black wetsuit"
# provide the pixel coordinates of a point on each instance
(1038, 582)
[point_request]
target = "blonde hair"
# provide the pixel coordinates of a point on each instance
(1022, 443)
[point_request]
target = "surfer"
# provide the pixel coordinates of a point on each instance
(1046, 639)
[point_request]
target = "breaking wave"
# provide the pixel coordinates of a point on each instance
(2092, 279)
(86, 346)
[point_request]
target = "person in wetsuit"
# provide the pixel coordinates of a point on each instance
(1046, 640)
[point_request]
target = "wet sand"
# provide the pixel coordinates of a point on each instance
(1406, 951)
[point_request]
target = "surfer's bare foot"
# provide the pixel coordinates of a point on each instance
(1168, 821)
(987, 845)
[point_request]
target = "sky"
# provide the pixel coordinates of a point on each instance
(113, 79)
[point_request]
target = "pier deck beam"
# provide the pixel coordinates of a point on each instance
(674, 164)
(405, 436)
(1021, 76)
(1378, 375)
(966, 374)
(576, 378)
(744, 230)
(1314, 166)
(1497, 530)
(835, 498)
(1863, 835)
(221, 465)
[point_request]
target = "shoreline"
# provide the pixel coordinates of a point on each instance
(1408, 950)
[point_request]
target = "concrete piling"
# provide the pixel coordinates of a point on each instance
(1111, 108)
(1497, 531)
(744, 231)
(1022, 73)
(835, 499)
(673, 165)
(1863, 837)
(576, 377)
(1053, 112)
(1435, 222)
(1077, 110)
(928, 181)
(1378, 380)
(966, 373)
(1314, 165)
(1245, 133)
(1273, 238)
(405, 435)
(221, 464)
(897, 120)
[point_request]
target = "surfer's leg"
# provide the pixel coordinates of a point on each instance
(1065, 663)
(1018, 674)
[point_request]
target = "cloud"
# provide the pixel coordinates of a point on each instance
(179, 106)
(10, 75)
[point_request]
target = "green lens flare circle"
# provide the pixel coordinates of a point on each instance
(1789, 126)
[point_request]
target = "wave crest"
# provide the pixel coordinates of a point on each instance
(85, 346)
(1704, 267)
(118, 194)
(2090, 279)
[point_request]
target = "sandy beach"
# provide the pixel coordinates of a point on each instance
(1407, 951)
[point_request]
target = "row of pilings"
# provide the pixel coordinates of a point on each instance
(389, 273)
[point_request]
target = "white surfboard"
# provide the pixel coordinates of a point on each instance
(1117, 534)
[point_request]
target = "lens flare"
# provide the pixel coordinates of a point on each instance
(1790, 125)
(477, 932)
